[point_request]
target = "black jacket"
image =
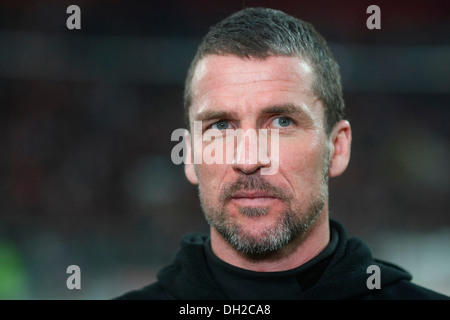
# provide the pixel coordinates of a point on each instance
(343, 277)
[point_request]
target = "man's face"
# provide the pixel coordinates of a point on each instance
(253, 212)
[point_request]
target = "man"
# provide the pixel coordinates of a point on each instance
(270, 235)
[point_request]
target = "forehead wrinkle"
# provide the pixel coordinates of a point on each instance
(209, 98)
(212, 108)
(208, 73)
(213, 86)
(241, 83)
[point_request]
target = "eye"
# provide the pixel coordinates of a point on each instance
(221, 125)
(282, 122)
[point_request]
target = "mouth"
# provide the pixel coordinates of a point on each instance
(253, 198)
(252, 194)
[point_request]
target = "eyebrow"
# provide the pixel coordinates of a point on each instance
(214, 114)
(285, 109)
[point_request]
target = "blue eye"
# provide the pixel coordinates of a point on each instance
(221, 125)
(282, 122)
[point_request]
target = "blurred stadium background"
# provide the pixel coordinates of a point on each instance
(86, 117)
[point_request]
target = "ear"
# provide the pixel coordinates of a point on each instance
(189, 168)
(340, 145)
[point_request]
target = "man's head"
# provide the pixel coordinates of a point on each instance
(260, 33)
(262, 69)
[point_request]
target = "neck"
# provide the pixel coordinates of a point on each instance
(296, 253)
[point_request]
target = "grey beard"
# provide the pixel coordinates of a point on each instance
(253, 212)
(290, 226)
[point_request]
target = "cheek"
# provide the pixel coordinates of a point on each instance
(302, 167)
(210, 177)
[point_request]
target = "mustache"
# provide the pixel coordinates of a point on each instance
(252, 183)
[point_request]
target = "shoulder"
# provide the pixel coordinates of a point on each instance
(154, 291)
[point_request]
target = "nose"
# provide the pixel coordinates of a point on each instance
(251, 152)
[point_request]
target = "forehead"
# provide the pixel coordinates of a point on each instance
(237, 81)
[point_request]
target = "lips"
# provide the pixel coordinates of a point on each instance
(252, 194)
(253, 199)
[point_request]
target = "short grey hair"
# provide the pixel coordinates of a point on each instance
(261, 33)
